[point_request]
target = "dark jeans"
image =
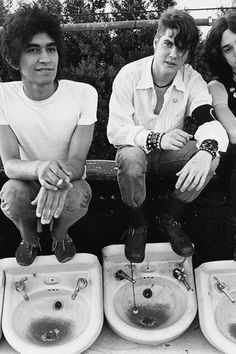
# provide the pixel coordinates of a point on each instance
(133, 165)
(16, 197)
(227, 170)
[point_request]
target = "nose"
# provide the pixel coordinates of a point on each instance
(173, 51)
(44, 57)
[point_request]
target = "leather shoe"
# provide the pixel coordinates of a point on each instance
(135, 242)
(180, 242)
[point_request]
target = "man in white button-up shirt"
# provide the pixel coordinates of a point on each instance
(150, 100)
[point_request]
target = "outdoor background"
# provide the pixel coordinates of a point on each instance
(95, 57)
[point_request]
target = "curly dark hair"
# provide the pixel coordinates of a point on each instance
(213, 53)
(19, 28)
(187, 37)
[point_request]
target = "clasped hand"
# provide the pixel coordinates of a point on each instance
(54, 178)
(54, 175)
(49, 204)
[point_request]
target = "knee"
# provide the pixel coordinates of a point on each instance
(132, 162)
(15, 196)
(79, 196)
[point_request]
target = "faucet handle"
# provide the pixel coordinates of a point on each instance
(82, 283)
(21, 282)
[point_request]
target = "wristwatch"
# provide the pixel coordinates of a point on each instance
(211, 146)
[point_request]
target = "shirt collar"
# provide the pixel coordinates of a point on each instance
(146, 80)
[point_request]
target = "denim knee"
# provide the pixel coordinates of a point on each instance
(16, 198)
(78, 197)
(131, 161)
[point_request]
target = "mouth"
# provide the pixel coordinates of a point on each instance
(170, 63)
(45, 69)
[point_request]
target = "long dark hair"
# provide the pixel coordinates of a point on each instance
(213, 53)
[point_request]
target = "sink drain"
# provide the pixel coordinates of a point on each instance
(58, 305)
(147, 293)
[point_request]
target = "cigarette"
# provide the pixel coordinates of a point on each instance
(59, 182)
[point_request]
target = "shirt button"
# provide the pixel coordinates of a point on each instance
(175, 99)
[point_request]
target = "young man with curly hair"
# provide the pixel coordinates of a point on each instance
(46, 129)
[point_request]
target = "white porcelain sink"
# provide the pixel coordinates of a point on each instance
(164, 307)
(217, 308)
(49, 316)
(1, 297)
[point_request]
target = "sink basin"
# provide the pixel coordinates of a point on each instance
(1, 298)
(217, 311)
(163, 308)
(46, 317)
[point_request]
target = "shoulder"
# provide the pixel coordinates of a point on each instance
(216, 86)
(10, 89)
(11, 85)
(77, 87)
(191, 74)
(136, 67)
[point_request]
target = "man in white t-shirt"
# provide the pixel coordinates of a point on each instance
(46, 129)
(150, 99)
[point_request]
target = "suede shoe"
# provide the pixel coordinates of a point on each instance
(180, 242)
(25, 253)
(64, 250)
(135, 242)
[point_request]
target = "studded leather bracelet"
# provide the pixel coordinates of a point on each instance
(154, 141)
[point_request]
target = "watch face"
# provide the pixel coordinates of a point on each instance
(210, 144)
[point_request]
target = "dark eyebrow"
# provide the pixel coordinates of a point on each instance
(31, 44)
(225, 46)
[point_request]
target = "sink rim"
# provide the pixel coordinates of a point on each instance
(94, 327)
(206, 309)
(149, 336)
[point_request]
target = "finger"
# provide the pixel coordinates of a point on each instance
(181, 179)
(60, 206)
(186, 183)
(47, 212)
(195, 183)
(184, 134)
(47, 185)
(59, 182)
(201, 182)
(40, 204)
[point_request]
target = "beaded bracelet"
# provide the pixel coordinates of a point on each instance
(154, 141)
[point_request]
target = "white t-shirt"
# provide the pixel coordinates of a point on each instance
(44, 128)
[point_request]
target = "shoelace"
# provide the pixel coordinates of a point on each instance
(66, 240)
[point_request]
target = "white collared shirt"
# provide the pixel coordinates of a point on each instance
(133, 101)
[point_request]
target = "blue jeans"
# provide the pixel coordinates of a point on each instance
(16, 197)
(134, 164)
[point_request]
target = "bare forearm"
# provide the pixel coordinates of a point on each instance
(76, 167)
(21, 169)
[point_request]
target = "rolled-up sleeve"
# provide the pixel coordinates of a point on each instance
(199, 95)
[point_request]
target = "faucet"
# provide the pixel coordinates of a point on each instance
(180, 275)
(221, 286)
(21, 288)
(81, 284)
(120, 275)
